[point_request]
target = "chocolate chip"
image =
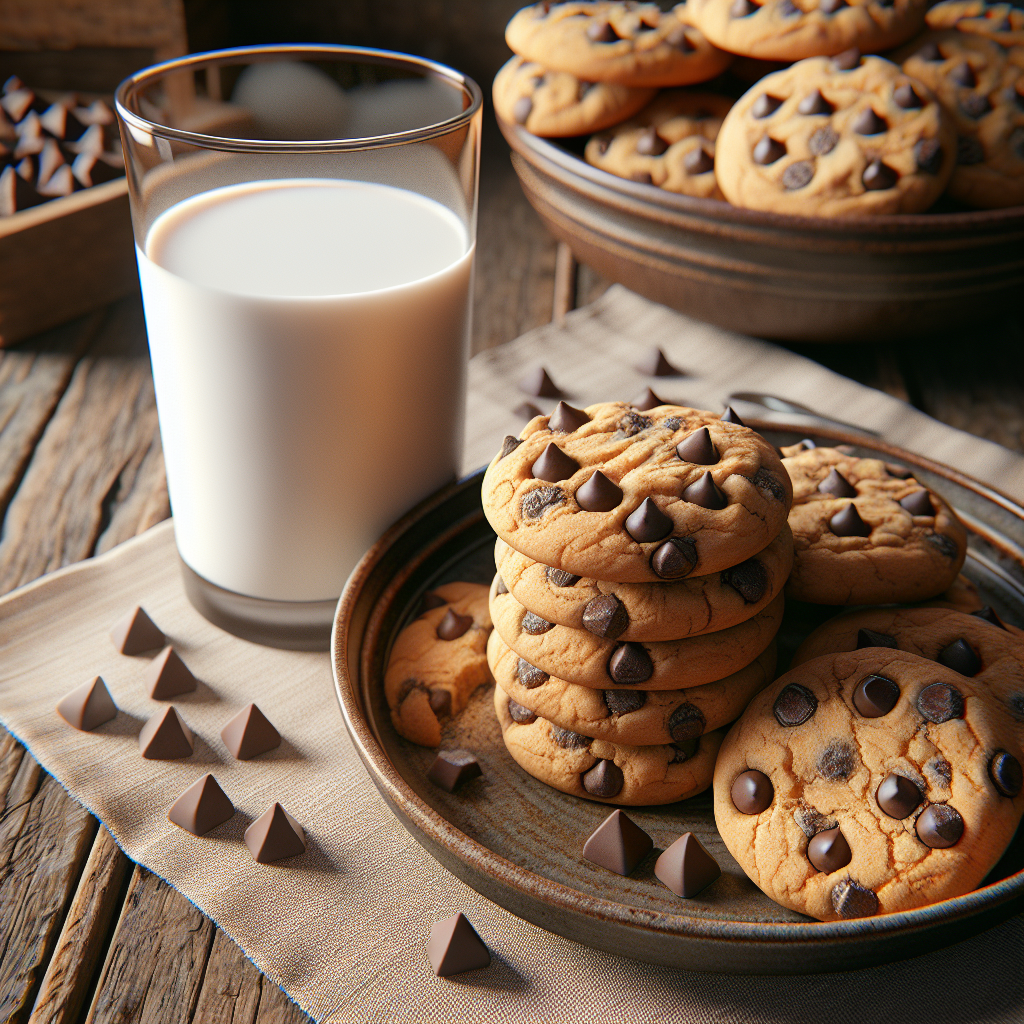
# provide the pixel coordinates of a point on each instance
(823, 141)
(928, 155)
(529, 675)
(837, 761)
(642, 177)
(766, 481)
(939, 826)
(566, 418)
(795, 705)
(202, 807)
(963, 74)
(765, 105)
(848, 523)
(430, 601)
(905, 96)
(851, 900)
(815, 103)
(946, 545)
(1005, 771)
(706, 493)
(508, 446)
(524, 716)
(623, 702)
(975, 106)
(647, 400)
(618, 844)
(847, 60)
(650, 143)
(798, 175)
(630, 665)
(168, 676)
(752, 792)
(929, 52)
(554, 464)
(88, 706)
(940, 702)
(648, 523)
(812, 821)
(598, 494)
(684, 750)
(897, 796)
(521, 109)
(837, 485)
(940, 771)
(960, 657)
(569, 740)
(988, 613)
(829, 851)
(632, 423)
(561, 578)
(830, 6)
(499, 587)
(698, 161)
(742, 9)
(749, 578)
(539, 384)
(527, 410)
(875, 696)
(686, 867)
(869, 638)
(675, 559)
(605, 616)
(605, 779)
(869, 123)
(969, 151)
(453, 625)
(602, 32)
(453, 768)
(137, 633)
(672, 423)
(535, 625)
(731, 416)
(878, 176)
(654, 364)
(687, 722)
(767, 151)
(440, 702)
(698, 448)
(1015, 706)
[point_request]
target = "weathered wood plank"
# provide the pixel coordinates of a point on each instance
(565, 282)
(590, 285)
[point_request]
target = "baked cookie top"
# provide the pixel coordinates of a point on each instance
(836, 137)
(868, 783)
(555, 104)
(617, 494)
(791, 30)
(1002, 23)
(670, 143)
(635, 44)
(862, 535)
(648, 611)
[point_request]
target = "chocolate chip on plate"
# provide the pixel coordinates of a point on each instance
(453, 768)
(618, 844)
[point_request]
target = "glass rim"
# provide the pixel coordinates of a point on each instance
(362, 54)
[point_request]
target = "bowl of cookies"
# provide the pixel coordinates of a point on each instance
(764, 167)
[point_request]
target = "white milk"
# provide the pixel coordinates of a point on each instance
(309, 341)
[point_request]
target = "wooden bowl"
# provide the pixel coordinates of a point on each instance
(773, 275)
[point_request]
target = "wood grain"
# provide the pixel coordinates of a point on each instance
(565, 282)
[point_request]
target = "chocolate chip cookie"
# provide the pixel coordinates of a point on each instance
(868, 783)
(864, 536)
(555, 104)
(836, 137)
(609, 772)
(634, 44)
(634, 717)
(1002, 23)
(670, 144)
(437, 661)
(789, 31)
(630, 496)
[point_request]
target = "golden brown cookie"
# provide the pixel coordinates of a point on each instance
(608, 772)
(437, 662)
(868, 783)
(836, 138)
(634, 44)
(864, 536)
(617, 494)
(1002, 23)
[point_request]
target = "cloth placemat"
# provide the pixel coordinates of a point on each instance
(343, 928)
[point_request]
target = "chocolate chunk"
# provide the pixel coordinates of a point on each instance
(698, 161)
(906, 96)
(823, 140)
(731, 416)
(675, 559)
(648, 523)
(798, 175)
(642, 177)
(765, 105)
(929, 52)
(527, 410)
(508, 446)
(431, 601)
(202, 807)
(868, 122)
(963, 74)
(62, 123)
(275, 835)
(60, 183)
(49, 159)
(654, 364)
(535, 625)
(815, 103)
(960, 657)
(249, 734)
(988, 613)
(928, 155)
(647, 400)
(969, 151)
(539, 384)
(567, 418)
(879, 176)
(875, 696)
(605, 616)
(136, 633)
(1005, 771)
(749, 578)
(516, 711)
(554, 465)
(837, 761)
(165, 737)
(686, 867)
(18, 102)
(453, 625)
(1015, 706)
(561, 578)
(687, 722)
(602, 32)
(529, 675)
(618, 844)
(650, 143)
(88, 706)
(837, 485)
(569, 740)
(454, 947)
(848, 523)
(939, 826)
(706, 493)
(851, 900)
(521, 109)
(766, 151)
(630, 664)
(671, 423)
(742, 8)
(623, 702)
(946, 545)
(168, 676)
(869, 638)
(15, 191)
(897, 796)
(940, 703)
(440, 701)
(752, 792)
(632, 423)
(940, 771)
(829, 851)
(684, 749)
(536, 502)
(605, 779)
(830, 6)
(794, 705)
(598, 494)
(499, 586)
(811, 821)
(452, 768)
(698, 448)
(766, 481)
(847, 60)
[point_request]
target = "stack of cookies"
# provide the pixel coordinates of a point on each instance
(641, 560)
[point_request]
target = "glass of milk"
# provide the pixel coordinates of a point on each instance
(305, 221)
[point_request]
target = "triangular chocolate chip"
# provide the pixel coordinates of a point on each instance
(454, 947)
(618, 844)
(202, 807)
(647, 400)
(88, 706)
(654, 364)
(686, 867)
(137, 633)
(165, 737)
(274, 835)
(539, 384)
(168, 676)
(250, 734)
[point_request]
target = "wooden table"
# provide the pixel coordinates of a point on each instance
(86, 935)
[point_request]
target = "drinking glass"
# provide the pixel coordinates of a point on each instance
(305, 222)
